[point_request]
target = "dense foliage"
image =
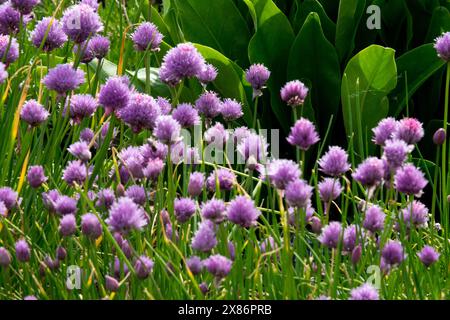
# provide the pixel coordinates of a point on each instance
(139, 149)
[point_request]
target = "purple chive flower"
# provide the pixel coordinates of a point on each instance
(334, 162)
(33, 113)
(9, 197)
(298, 193)
(316, 225)
(10, 19)
(36, 176)
(23, 252)
(137, 194)
(111, 284)
(195, 265)
(186, 115)
(329, 189)
(374, 219)
(219, 266)
(225, 178)
(147, 37)
(208, 74)
(50, 37)
(115, 93)
(82, 50)
(196, 183)
(257, 75)
(231, 250)
(281, 172)
(3, 73)
(294, 93)
(384, 130)
(63, 78)
(90, 226)
(80, 150)
(8, 56)
(61, 253)
(67, 225)
(242, 211)
(364, 292)
(370, 172)
(125, 216)
(439, 137)
(164, 106)
(24, 6)
(143, 266)
(98, 46)
(209, 104)
(415, 213)
(392, 253)
(395, 152)
(87, 135)
(231, 109)
(214, 210)
(133, 161)
(119, 268)
(82, 106)
(75, 172)
(410, 180)
(253, 148)
(65, 205)
(140, 113)
(239, 134)
(92, 3)
(428, 255)
(183, 61)
(204, 239)
(409, 130)
(167, 130)
(153, 169)
(105, 198)
(303, 134)
(5, 257)
(81, 21)
(331, 234)
(267, 245)
(442, 46)
(49, 199)
(356, 254)
(3, 209)
(217, 134)
(154, 149)
(349, 238)
(184, 208)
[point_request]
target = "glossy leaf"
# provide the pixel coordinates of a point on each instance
(417, 73)
(217, 24)
(271, 45)
(308, 6)
(314, 58)
(368, 78)
(349, 15)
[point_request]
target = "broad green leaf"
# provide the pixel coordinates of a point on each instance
(109, 69)
(314, 58)
(440, 22)
(216, 24)
(349, 15)
(270, 45)
(368, 78)
(229, 81)
(308, 6)
(417, 74)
